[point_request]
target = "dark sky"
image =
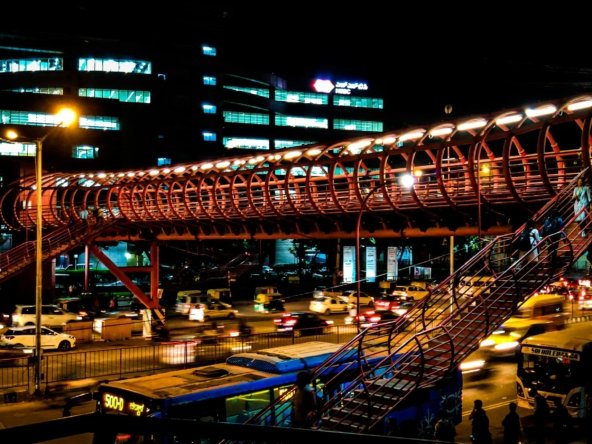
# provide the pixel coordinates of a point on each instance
(480, 58)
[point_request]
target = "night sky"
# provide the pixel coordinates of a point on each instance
(479, 58)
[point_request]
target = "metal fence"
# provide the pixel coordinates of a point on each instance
(120, 362)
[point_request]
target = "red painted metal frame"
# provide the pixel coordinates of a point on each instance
(320, 188)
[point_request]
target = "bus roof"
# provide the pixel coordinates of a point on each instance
(573, 338)
(212, 381)
(288, 358)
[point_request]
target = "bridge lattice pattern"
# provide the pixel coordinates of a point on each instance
(419, 181)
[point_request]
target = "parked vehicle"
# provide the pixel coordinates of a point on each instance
(302, 323)
(51, 316)
(24, 337)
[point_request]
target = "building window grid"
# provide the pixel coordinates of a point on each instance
(210, 80)
(28, 118)
(208, 50)
(246, 118)
(358, 102)
(301, 122)
(112, 65)
(208, 108)
(279, 144)
(31, 65)
(209, 136)
(245, 143)
(85, 152)
(99, 122)
(357, 125)
(301, 97)
(261, 92)
(122, 95)
(17, 149)
(48, 90)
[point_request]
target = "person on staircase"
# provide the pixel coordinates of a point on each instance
(581, 198)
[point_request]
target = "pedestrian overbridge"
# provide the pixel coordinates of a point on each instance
(453, 177)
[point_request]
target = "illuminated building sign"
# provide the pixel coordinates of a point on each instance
(323, 86)
(347, 87)
(339, 87)
(110, 401)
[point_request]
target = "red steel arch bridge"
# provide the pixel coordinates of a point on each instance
(456, 177)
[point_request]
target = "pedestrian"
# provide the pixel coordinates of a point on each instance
(528, 241)
(304, 402)
(112, 304)
(479, 424)
(511, 425)
(581, 198)
(444, 429)
(541, 417)
(552, 227)
(561, 423)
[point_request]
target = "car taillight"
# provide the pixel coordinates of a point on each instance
(375, 318)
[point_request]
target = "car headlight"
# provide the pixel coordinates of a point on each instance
(472, 365)
(506, 346)
(487, 343)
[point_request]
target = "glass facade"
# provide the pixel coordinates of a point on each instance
(99, 122)
(208, 50)
(246, 118)
(357, 125)
(122, 95)
(209, 136)
(111, 65)
(32, 65)
(358, 102)
(279, 144)
(261, 92)
(301, 97)
(28, 118)
(17, 149)
(47, 90)
(85, 152)
(246, 143)
(301, 122)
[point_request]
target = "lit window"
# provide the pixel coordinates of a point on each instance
(208, 136)
(99, 122)
(31, 65)
(122, 95)
(209, 80)
(111, 65)
(246, 118)
(208, 108)
(164, 161)
(357, 125)
(261, 92)
(85, 152)
(245, 143)
(208, 50)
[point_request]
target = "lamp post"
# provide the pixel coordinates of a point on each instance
(66, 117)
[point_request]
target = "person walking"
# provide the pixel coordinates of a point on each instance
(581, 198)
(511, 425)
(480, 433)
(304, 402)
(527, 243)
(552, 227)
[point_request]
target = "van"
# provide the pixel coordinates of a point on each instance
(543, 307)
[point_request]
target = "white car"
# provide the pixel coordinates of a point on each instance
(21, 337)
(327, 305)
(415, 292)
(212, 310)
(51, 315)
(350, 296)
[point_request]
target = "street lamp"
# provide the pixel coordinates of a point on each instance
(64, 118)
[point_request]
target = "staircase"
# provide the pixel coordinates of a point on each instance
(425, 347)
(54, 243)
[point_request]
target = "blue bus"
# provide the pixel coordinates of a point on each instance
(234, 391)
